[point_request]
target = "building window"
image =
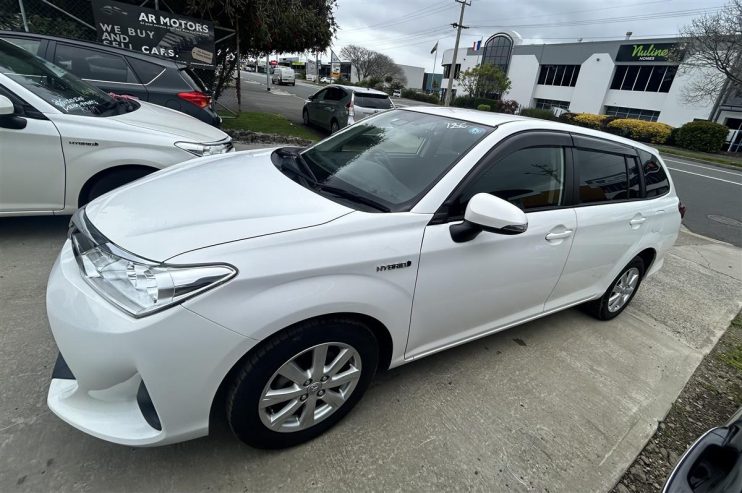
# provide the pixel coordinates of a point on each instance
(497, 51)
(636, 113)
(447, 71)
(547, 104)
(559, 75)
(648, 78)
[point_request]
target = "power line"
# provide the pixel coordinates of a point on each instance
(404, 18)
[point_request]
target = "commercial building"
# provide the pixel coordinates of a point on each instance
(636, 78)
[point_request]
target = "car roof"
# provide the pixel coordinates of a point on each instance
(496, 119)
(360, 90)
(98, 46)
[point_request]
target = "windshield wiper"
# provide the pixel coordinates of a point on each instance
(352, 196)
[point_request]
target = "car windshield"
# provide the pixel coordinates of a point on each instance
(54, 85)
(375, 101)
(390, 160)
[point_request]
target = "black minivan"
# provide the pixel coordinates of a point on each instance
(116, 70)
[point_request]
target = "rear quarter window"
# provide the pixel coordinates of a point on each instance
(375, 101)
(146, 71)
(655, 178)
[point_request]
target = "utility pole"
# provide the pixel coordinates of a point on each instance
(459, 26)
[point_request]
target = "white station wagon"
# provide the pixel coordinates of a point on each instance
(271, 285)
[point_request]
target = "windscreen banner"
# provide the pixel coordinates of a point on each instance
(154, 32)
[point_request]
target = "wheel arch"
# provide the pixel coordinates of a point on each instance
(85, 189)
(647, 255)
(380, 331)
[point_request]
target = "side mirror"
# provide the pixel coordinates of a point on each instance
(8, 118)
(486, 212)
(6, 106)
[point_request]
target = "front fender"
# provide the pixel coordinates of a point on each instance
(262, 313)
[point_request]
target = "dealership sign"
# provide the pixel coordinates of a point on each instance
(154, 32)
(646, 52)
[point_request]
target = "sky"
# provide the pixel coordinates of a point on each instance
(407, 30)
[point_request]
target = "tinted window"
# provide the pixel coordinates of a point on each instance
(30, 45)
(334, 94)
(602, 176)
(394, 157)
(145, 70)
(93, 64)
(529, 178)
(634, 185)
(655, 179)
(378, 101)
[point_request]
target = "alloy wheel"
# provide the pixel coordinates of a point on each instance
(310, 387)
(623, 289)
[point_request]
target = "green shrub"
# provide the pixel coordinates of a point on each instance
(484, 107)
(641, 130)
(419, 96)
(671, 141)
(540, 113)
(589, 120)
(473, 103)
(701, 136)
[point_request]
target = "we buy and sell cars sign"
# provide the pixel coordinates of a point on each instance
(154, 32)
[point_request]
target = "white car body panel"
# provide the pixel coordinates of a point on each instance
(299, 255)
(89, 145)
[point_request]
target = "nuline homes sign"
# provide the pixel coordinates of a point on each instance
(660, 52)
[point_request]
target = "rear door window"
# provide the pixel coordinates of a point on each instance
(375, 101)
(602, 176)
(94, 64)
(334, 94)
(655, 178)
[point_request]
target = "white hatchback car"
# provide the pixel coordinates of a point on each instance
(271, 285)
(64, 142)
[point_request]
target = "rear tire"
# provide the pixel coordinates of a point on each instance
(111, 181)
(301, 409)
(619, 294)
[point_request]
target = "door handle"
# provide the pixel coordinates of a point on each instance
(559, 236)
(638, 221)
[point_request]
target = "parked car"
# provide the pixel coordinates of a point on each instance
(713, 464)
(284, 75)
(338, 106)
(397, 93)
(326, 80)
(297, 274)
(115, 70)
(64, 142)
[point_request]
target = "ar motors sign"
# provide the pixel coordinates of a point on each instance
(645, 52)
(154, 32)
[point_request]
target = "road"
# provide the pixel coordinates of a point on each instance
(713, 196)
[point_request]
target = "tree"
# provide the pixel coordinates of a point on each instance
(383, 67)
(484, 80)
(713, 47)
(359, 58)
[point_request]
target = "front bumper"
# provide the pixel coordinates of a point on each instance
(179, 357)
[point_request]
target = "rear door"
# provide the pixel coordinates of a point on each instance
(108, 71)
(365, 104)
(612, 219)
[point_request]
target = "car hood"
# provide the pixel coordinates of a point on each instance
(207, 201)
(160, 119)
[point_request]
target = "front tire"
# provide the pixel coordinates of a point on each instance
(305, 117)
(334, 127)
(111, 181)
(301, 382)
(619, 294)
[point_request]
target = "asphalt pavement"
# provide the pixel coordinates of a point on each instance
(712, 195)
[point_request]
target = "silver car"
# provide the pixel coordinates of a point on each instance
(338, 106)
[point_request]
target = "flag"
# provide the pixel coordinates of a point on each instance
(435, 48)
(476, 45)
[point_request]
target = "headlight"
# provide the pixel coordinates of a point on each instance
(205, 149)
(138, 286)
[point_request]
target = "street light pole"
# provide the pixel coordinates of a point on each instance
(452, 70)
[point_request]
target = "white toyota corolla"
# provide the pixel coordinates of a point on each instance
(271, 285)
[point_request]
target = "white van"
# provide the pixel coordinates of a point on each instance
(65, 142)
(284, 75)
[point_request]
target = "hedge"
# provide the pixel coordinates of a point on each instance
(419, 96)
(641, 130)
(701, 136)
(484, 107)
